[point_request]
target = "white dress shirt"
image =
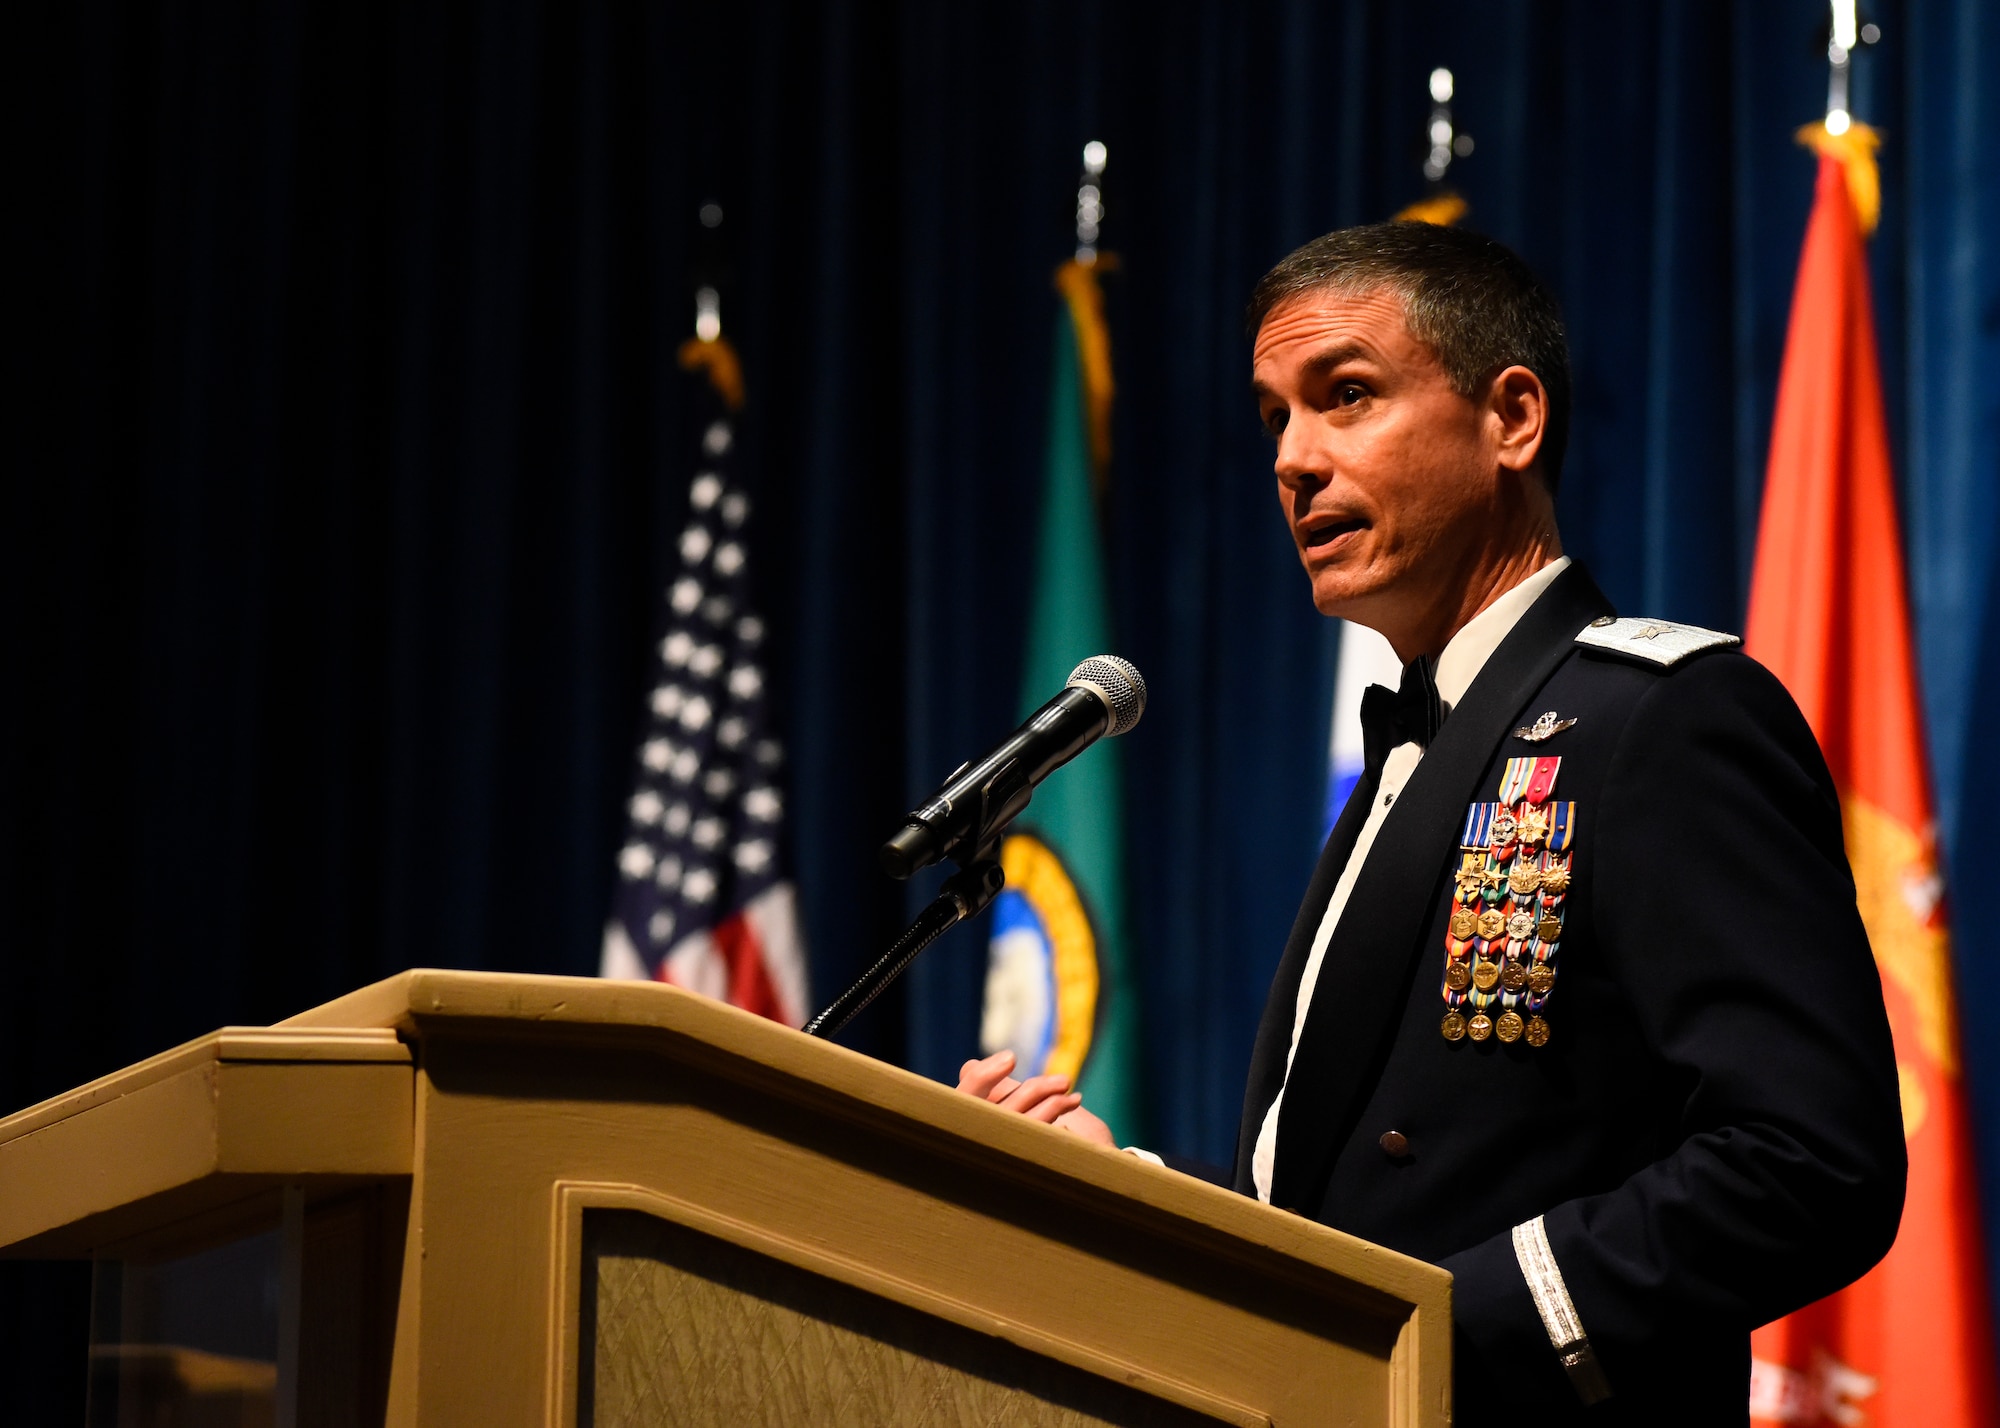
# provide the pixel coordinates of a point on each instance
(1457, 667)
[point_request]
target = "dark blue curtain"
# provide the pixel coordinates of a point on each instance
(345, 447)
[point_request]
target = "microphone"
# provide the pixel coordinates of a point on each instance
(1105, 696)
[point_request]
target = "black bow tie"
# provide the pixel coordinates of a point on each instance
(1409, 715)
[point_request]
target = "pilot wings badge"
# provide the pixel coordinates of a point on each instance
(1545, 727)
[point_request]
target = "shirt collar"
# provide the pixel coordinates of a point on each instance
(1472, 646)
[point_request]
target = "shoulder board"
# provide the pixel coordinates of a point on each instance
(1659, 642)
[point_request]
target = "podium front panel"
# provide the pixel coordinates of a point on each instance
(678, 1327)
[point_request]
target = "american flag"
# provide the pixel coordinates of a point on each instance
(701, 900)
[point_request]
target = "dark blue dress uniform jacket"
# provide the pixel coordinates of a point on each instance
(1713, 1129)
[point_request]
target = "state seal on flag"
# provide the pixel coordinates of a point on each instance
(1041, 965)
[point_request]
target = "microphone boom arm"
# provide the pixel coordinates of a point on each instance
(965, 895)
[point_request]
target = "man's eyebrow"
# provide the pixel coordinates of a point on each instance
(1340, 353)
(1320, 363)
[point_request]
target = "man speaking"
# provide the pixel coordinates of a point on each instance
(1578, 1004)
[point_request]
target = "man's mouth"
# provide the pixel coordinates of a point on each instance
(1324, 533)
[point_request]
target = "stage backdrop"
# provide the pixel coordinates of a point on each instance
(346, 449)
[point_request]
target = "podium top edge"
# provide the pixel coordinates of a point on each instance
(226, 1044)
(425, 1001)
(402, 1002)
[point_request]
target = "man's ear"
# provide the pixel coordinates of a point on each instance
(1519, 403)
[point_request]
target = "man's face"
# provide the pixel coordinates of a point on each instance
(1386, 475)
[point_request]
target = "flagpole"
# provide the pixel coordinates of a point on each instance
(1846, 36)
(1090, 202)
(1444, 142)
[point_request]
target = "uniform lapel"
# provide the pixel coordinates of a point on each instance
(1274, 1032)
(1364, 982)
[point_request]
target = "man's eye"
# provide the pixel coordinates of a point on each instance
(1274, 422)
(1347, 394)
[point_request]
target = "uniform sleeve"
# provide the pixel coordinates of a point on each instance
(1724, 908)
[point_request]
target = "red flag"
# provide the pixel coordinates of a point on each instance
(1910, 1345)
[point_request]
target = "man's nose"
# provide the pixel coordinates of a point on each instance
(1300, 463)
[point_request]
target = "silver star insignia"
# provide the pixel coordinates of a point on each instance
(1543, 728)
(1652, 632)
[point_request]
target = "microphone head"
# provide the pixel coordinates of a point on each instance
(1118, 683)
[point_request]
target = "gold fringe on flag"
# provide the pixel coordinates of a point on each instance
(718, 360)
(1080, 288)
(1443, 209)
(1854, 150)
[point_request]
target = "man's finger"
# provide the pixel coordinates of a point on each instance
(1035, 1090)
(978, 1078)
(1055, 1106)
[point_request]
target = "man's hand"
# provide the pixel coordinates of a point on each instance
(1044, 1098)
(1041, 1098)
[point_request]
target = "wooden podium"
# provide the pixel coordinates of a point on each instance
(498, 1200)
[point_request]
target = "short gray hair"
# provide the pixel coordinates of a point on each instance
(1472, 301)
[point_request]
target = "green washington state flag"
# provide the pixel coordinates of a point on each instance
(1059, 987)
